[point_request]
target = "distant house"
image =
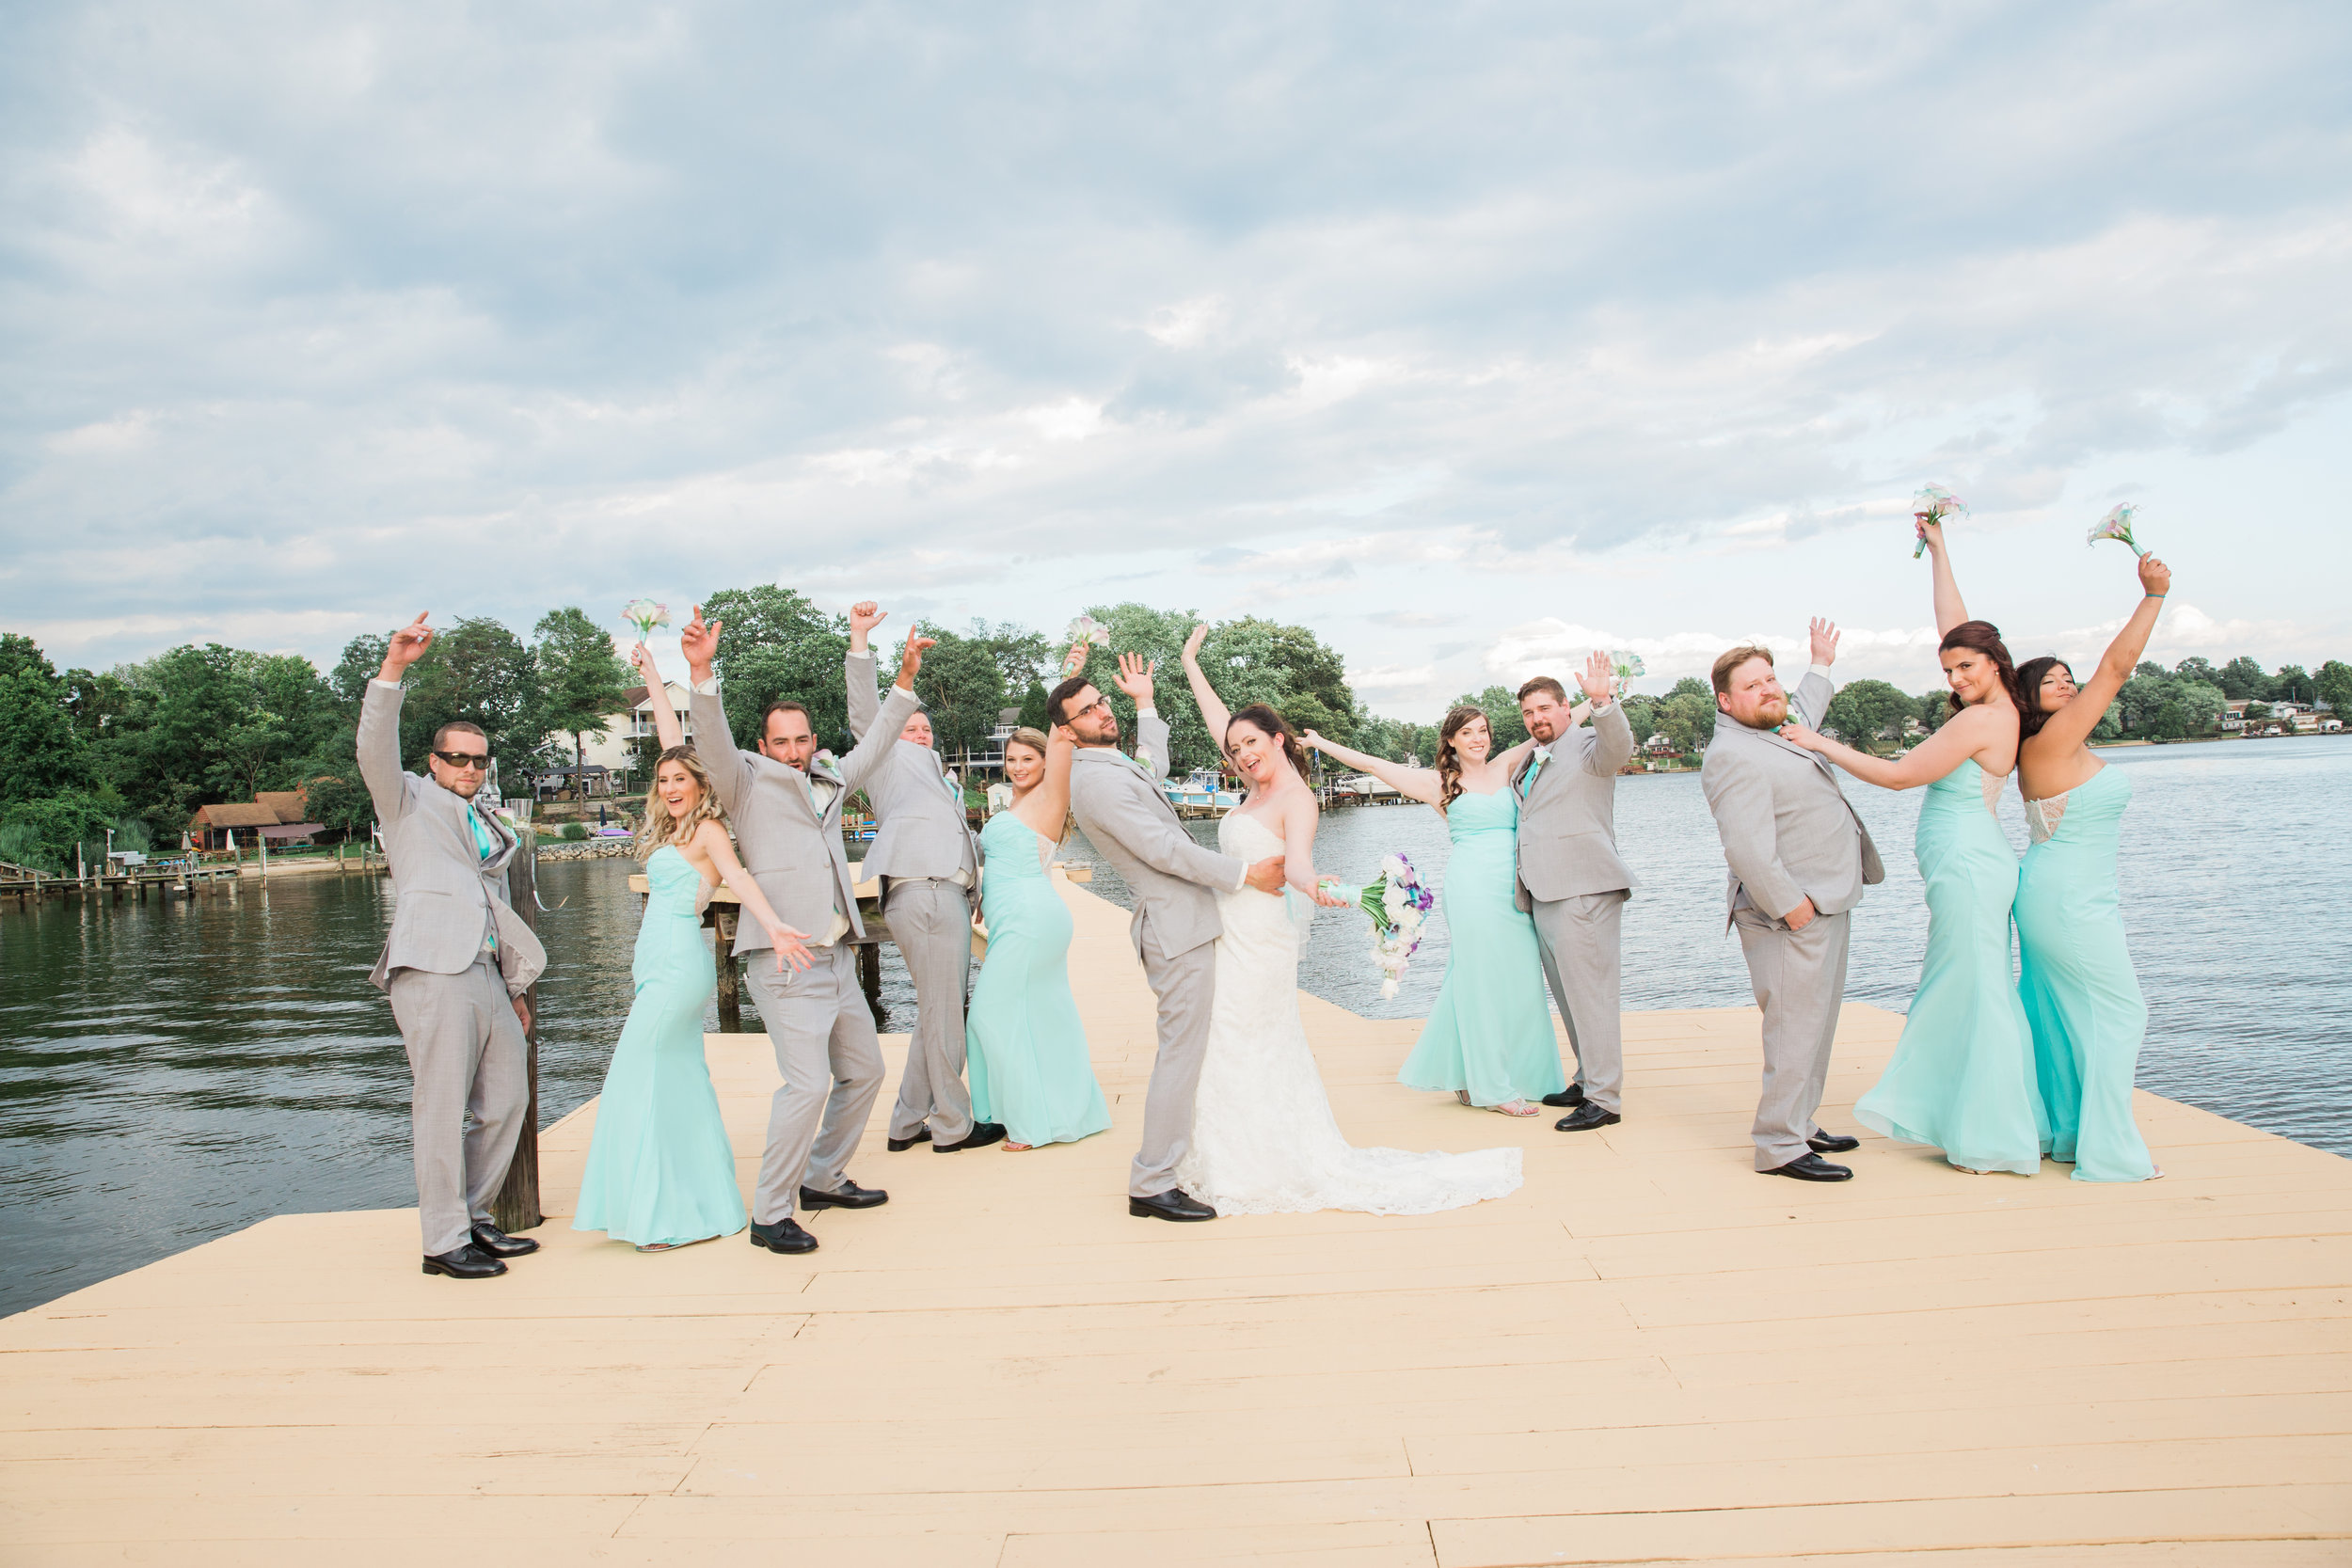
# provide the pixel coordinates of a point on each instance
(272, 817)
(610, 752)
(1658, 746)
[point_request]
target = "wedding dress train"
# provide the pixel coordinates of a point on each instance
(1263, 1140)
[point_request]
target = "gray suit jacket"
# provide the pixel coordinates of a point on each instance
(920, 828)
(446, 898)
(791, 845)
(1567, 812)
(1788, 831)
(1127, 818)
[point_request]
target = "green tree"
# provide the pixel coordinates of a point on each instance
(2198, 668)
(364, 656)
(1640, 715)
(1501, 708)
(962, 685)
(1033, 706)
(2110, 725)
(478, 671)
(42, 753)
(1933, 708)
(1869, 715)
(2243, 678)
(2144, 700)
(2333, 685)
(2292, 684)
(1687, 716)
(2201, 706)
(1159, 636)
(46, 833)
(582, 682)
(776, 645)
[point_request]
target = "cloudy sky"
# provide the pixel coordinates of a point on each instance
(1469, 336)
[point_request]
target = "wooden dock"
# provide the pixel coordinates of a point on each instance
(1649, 1353)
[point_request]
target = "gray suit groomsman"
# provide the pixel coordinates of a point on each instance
(1572, 881)
(930, 865)
(785, 804)
(1800, 859)
(1118, 802)
(455, 965)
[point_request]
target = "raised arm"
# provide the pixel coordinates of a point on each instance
(793, 946)
(1134, 678)
(2071, 725)
(1214, 712)
(731, 767)
(1612, 737)
(857, 668)
(665, 725)
(1420, 784)
(1808, 700)
(1949, 611)
(378, 742)
(876, 746)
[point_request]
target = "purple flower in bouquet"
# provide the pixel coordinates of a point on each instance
(644, 615)
(1398, 901)
(1933, 504)
(2117, 525)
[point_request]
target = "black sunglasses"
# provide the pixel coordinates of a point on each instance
(465, 759)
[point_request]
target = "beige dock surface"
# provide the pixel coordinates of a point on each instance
(1649, 1353)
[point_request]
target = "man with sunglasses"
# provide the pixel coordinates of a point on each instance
(455, 964)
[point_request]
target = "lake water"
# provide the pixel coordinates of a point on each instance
(171, 1072)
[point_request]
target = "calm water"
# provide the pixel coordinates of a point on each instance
(171, 1072)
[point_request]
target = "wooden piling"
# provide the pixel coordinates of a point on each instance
(723, 923)
(516, 1207)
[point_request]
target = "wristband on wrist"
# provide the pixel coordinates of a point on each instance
(2154, 595)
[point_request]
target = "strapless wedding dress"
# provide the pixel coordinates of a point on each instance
(1263, 1140)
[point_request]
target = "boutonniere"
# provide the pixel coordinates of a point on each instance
(1543, 753)
(1143, 758)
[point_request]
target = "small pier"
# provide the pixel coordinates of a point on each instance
(1648, 1354)
(179, 879)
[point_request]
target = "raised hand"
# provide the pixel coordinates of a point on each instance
(1266, 876)
(1598, 677)
(1930, 529)
(700, 643)
(911, 657)
(2155, 577)
(863, 617)
(640, 658)
(1135, 678)
(1192, 643)
(1824, 642)
(1313, 741)
(407, 646)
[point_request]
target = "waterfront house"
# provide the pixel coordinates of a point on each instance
(273, 816)
(614, 748)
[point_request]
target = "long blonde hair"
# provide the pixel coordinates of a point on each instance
(660, 826)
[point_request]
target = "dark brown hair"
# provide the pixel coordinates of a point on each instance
(1545, 683)
(1270, 722)
(461, 726)
(2031, 674)
(1058, 699)
(784, 704)
(1983, 636)
(1731, 659)
(1449, 760)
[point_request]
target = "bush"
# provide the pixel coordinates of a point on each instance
(575, 831)
(54, 826)
(21, 845)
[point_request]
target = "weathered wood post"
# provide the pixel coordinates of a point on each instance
(516, 1207)
(869, 978)
(723, 922)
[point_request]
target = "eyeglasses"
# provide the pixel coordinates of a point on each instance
(1103, 702)
(465, 759)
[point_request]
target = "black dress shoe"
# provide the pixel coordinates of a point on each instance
(899, 1146)
(1831, 1143)
(497, 1243)
(1173, 1204)
(464, 1263)
(848, 1195)
(983, 1134)
(785, 1235)
(1572, 1094)
(1812, 1167)
(1584, 1118)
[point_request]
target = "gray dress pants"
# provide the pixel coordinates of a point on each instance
(1800, 979)
(1582, 942)
(472, 1089)
(1185, 986)
(831, 1065)
(932, 923)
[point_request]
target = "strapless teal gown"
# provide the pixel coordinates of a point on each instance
(1490, 1032)
(1026, 1048)
(2081, 996)
(659, 1166)
(1962, 1078)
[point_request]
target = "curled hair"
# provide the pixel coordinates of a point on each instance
(2031, 674)
(1450, 760)
(1270, 722)
(661, 827)
(1983, 636)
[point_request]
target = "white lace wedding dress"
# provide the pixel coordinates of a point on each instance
(1263, 1141)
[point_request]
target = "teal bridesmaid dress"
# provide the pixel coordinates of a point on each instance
(1962, 1078)
(1490, 1032)
(2081, 996)
(660, 1170)
(1026, 1048)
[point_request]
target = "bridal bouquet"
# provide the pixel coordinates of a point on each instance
(644, 615)
(1628, 666)
(1082, 634)
(2117, 525)
(1398, 901)
(1933, 504)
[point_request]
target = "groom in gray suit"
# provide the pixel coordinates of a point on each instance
(1800, 859)
(930, 865)
(1118, 802)
(785, 801)
(1572, 881)
(455, 965)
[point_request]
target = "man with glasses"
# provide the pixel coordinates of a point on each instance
(455, 964)
(1118, 801)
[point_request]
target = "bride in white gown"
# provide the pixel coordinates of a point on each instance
(1263, 1140)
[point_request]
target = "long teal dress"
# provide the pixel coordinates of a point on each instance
(2080, 994)
(1490, 1032)
(660, 1169)
(1026, 1048)
(1961, 1077)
